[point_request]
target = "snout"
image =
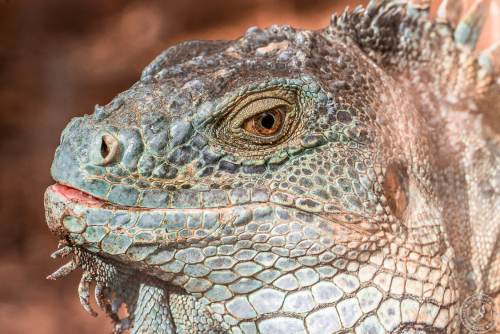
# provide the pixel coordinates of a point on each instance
(89, 153)
(61, 204)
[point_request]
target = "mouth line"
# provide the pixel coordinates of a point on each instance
(78, 196)
(345, 220)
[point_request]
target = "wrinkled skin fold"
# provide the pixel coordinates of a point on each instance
(292, 181)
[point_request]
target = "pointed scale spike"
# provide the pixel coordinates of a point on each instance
(449, 11)
(489, 59)
(333, 20)
(469, 28)
(84, 293)
(62, 252)
(62, 243)
(418, 7)
(345, 15)
(100, 295)
(358, 10)
(65, 270)
(104, 298)
(371, 9)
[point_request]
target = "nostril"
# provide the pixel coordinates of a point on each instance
(104, 149)
(109, 148)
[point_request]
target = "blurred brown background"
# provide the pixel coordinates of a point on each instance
(59, 58)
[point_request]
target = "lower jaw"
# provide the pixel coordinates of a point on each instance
(117, 283)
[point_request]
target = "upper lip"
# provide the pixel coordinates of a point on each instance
(77, 195)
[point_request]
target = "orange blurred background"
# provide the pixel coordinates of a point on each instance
(58, 59)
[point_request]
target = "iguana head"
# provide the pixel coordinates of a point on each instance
(290, 181)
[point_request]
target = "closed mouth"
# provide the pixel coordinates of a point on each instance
(62, 201)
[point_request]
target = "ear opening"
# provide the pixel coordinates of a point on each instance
(395, 187)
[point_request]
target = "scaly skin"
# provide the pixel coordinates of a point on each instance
(291, 181)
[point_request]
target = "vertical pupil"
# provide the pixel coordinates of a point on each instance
(267, 121)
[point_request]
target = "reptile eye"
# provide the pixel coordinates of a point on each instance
(261, 120)
(266, 123)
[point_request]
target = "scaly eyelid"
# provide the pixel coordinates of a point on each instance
(229, 129)
(256, 107)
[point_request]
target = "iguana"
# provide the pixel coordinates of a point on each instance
(293, 181)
